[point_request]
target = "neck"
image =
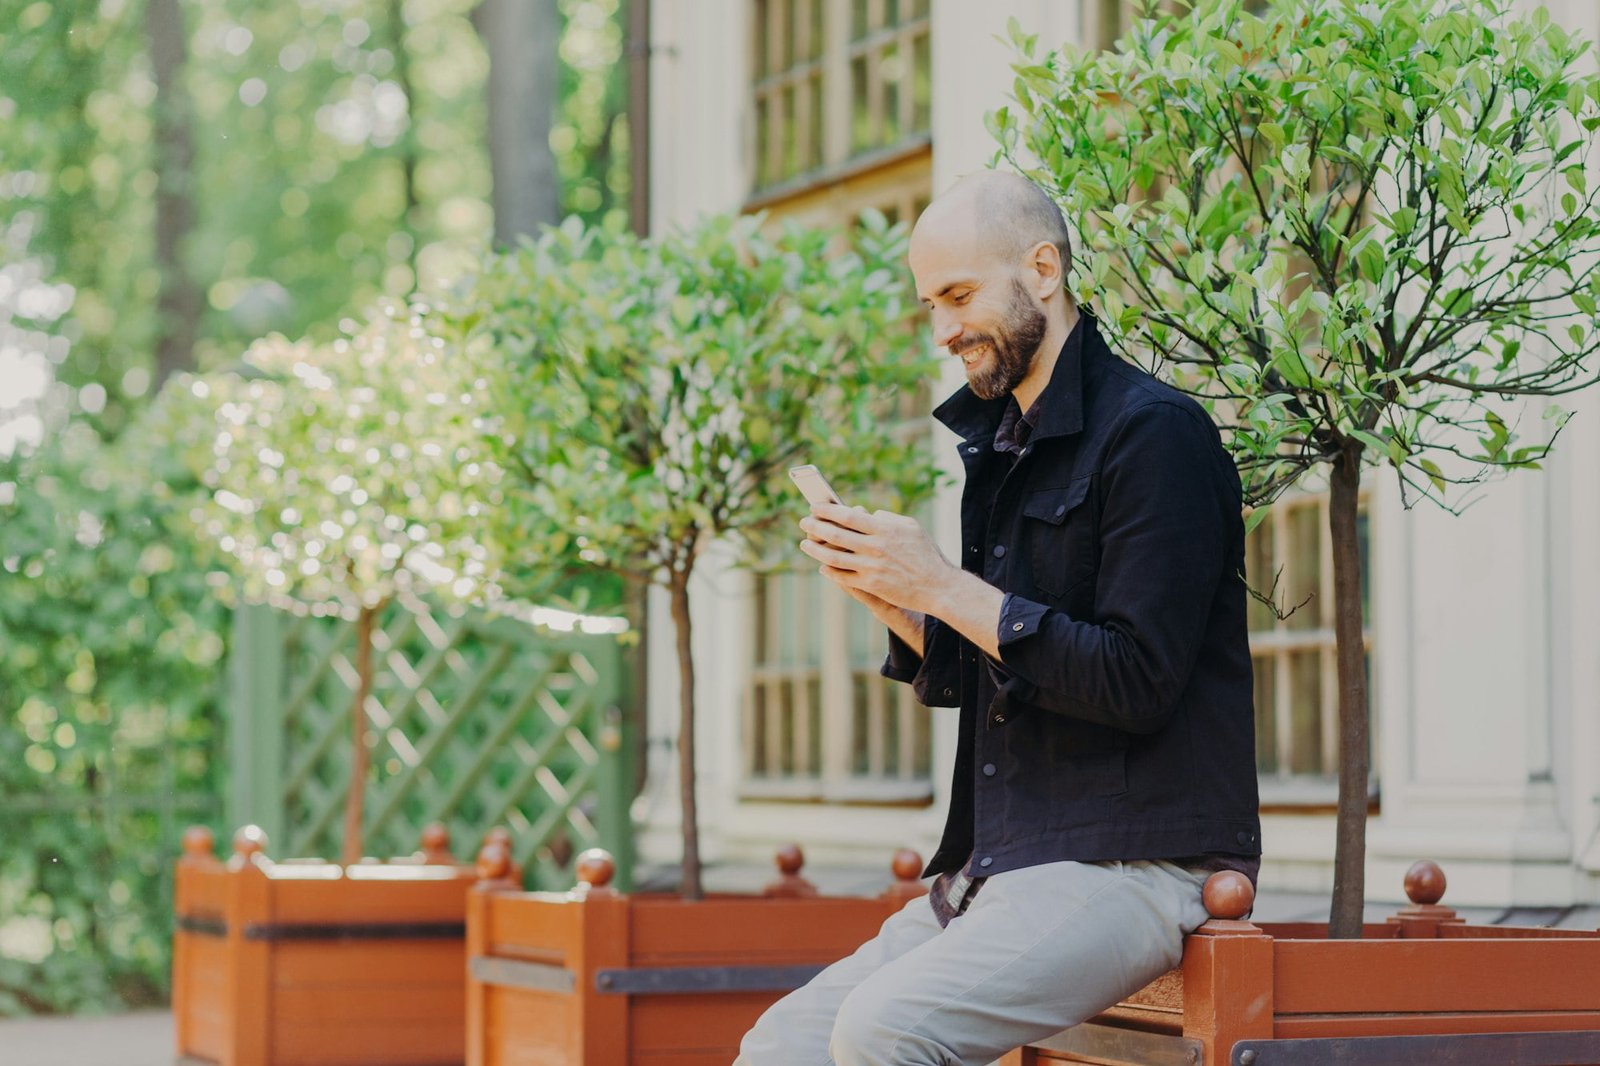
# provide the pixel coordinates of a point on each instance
(1060, 323)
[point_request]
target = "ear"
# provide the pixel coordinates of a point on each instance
(1045, 274)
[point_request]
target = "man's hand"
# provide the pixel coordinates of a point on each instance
(880, 556)
(888, 562)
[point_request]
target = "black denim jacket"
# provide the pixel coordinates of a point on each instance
(1119, 721)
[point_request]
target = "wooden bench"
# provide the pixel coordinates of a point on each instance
(1422, 987)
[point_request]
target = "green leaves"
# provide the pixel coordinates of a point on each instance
(650, 395)
(111, 645)
(349, 471)
(1334, 221)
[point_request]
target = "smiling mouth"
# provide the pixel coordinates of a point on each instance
(971, 356)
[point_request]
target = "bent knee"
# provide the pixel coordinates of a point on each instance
(868, 1032)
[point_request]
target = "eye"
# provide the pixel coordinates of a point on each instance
(961, 299)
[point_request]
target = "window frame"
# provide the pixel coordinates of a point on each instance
(838, 158)
(896, 179)
(1281, 789)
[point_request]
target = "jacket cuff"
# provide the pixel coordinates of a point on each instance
(1019, 619)
(935, 675)
(901, 664)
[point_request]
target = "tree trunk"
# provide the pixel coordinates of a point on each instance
(1350, 851)
(356, 797)
(679, 588)
(521, 37)
(638, 53)
(636, 608)
(178, 299)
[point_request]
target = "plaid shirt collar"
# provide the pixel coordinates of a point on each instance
(1015, 427)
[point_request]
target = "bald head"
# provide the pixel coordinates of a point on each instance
(994, 213)
(989, 259)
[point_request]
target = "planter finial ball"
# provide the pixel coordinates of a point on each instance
(494, 862)
(498, 835)
(906, 865)
(436, 844)
(1228, 895)
(596, 867)
(249, 840)
(198, 842)
(789, 859)
(1425, 882)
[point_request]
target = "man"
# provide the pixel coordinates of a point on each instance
(1094, 637)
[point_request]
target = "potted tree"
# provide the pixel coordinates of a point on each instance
(340, 477)
(1363, 234)
(648, 398)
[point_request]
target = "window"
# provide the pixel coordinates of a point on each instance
(841, 109)
(819, 721)
(839, 85)
(1296, 676)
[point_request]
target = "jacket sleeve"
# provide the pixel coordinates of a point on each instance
(935, 675)
(1169, 510)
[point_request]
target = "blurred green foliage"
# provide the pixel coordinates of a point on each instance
(110, 653)
(590, 132)
(346, 473)
(340, 155)
(646, 396)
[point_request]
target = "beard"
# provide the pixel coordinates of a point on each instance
(1013, 346)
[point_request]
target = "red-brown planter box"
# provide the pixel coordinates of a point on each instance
(1422, 987)
(598, 977)
(316, 964)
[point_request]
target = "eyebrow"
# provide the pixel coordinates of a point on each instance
(952, 285)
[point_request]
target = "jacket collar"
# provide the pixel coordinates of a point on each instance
(1060, 413)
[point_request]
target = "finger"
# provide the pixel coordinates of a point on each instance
(830, 533)
(847, 580)
(855, 518)
(827, 555)
(861, 595)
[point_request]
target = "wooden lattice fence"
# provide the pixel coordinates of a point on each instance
(475, 722)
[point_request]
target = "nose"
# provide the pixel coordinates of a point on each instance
(946, 329)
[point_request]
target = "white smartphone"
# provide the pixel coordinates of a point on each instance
(813, 486)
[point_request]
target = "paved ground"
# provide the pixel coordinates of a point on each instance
(145, 1039)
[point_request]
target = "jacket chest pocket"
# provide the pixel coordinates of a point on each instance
(1059, 527)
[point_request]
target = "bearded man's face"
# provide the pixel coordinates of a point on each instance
(997, 356)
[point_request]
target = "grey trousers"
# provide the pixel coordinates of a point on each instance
(1039, 949)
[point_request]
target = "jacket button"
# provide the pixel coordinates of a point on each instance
(999, 551)
(1243, 837)
(999, 719)
(1061, 509)
(1017, 627)
(949, 692)
(972, 449)
(988, 769)
(986, 862)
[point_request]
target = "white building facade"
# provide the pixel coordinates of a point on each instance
(1484, 629)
